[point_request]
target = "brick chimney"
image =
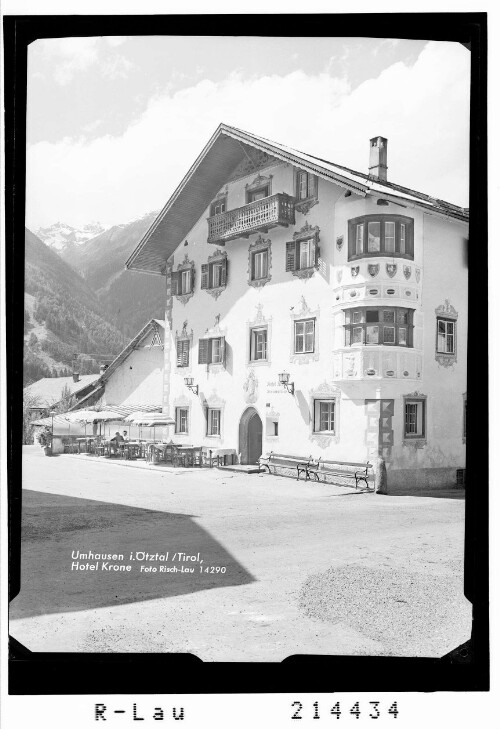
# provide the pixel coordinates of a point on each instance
(377, 168)
(76, 376)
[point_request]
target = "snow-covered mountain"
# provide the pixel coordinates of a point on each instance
(61, 235)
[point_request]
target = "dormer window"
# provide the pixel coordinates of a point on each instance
(381, 235)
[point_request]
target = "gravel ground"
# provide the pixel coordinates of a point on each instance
(408, 612)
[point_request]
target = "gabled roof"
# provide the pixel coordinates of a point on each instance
(153, 326)
(213, 167)
(49, 389)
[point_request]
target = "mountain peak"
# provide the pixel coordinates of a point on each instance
(60, 235)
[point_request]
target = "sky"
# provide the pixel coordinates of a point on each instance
(114, 123)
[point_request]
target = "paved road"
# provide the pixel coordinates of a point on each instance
(284, 546)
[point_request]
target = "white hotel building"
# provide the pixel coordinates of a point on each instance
(279, 263)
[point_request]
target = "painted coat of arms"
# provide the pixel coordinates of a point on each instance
(407, 271)
(417, 274)
(354, 271)
(373, 269)
(339, 275)
(391, 269)
(340, 242)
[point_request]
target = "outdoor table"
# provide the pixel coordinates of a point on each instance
(220, 454)
(85, 442)
(131, 449)
(186, 453)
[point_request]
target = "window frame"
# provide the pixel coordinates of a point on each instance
(211, 411)
(418, 402)
(304, 334)
(178, 420)
(221, 201)
(249, 194)
(264, 252)
(311, 186)
(253, 345)
(317, 403)
(358, 322)
(453, 323)
(209, 350)
(403, 229)
(218, 259)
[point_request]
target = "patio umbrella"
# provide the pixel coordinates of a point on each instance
(105, 416)
(138, 418)
(159, 419)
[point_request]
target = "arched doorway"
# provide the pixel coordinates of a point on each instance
(250, 445)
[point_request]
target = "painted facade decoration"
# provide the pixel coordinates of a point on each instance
(378, 366)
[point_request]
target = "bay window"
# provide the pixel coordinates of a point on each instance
(391, 326)
(380, 235)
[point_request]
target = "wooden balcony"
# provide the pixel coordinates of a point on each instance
(260, 215)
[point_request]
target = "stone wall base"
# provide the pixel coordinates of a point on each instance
(421, 478)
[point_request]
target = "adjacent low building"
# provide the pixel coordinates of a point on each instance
(312, 309)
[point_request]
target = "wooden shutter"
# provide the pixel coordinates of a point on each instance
(179, 354)
(204, 276)
(223, 273)
(183, 353)
(203, 351)
(351, 235)
(192, 279)
(223, 350)
(316, 250)
(312, 187)
(175, 283)
(291, 257)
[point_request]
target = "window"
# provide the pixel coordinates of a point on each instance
(445, 336)
(212, 351)
(414, 418)
(381, 235)
(183, 281)
(259, 265)
(213, 421)
(214, 273)
(182, 352)
(181, 420)
(258, 344)
(379, 325)
(306, 185)
(218, 206)
(258, 194)
(304, 336)
(301, 254)
(324, 416)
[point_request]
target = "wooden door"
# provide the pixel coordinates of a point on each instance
(254, 438)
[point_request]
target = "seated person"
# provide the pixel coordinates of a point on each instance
(115, 441)
(125, 436)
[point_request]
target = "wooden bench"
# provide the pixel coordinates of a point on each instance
(281, 460)
(344, 469)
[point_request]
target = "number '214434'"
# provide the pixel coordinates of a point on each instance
(372, 709)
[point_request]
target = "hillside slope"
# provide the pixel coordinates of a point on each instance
(63, 316)
(132, 298)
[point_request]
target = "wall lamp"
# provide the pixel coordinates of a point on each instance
(284, 379)
(189, 382)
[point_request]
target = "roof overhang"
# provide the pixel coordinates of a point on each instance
(211, 170)
(215, 165)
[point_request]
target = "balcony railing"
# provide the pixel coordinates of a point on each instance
(259, 215)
